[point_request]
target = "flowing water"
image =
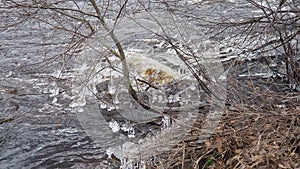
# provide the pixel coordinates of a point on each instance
(50, 117)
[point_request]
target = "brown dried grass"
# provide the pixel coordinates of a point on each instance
(258, 130)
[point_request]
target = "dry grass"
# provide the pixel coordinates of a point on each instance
(260, 129)
(245, 138)
(251, 138)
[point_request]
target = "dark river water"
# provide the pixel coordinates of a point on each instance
(38, 127)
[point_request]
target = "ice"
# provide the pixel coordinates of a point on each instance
(126, 163)
(110, 108)
(57, 74)
(174, 98)
(53, 89)
(103, 105)
(223, 77)
(129, 129)
(193, 87)
(116, 100)
(262, 74)
(9, 74)
(65, 95)
(54, 100)
(79, 101)
(133, 155)
(80, 110)
(159, 98)
(115, 127)
(166, 121)
(109, 153)
(139, 61)
(68, 130)
(112, 89)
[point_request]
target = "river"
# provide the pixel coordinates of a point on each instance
(49, 119)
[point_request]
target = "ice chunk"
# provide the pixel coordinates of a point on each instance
(78, 102)
(103, 105)
(115, 127)
(54, 100)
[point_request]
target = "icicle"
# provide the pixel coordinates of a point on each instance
(166, 121)
(126, 163)
(116, 100)
(111, 89)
